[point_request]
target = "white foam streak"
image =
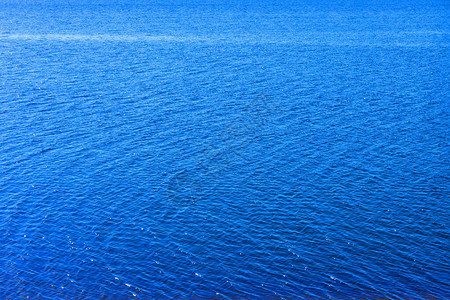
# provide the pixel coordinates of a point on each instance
(99, 37)
(380, 39)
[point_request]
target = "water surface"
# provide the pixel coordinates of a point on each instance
(224, 150)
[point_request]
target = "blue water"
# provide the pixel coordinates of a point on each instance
(224, 149)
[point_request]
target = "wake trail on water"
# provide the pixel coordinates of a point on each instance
(402, 39)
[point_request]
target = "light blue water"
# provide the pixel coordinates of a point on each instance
(224, 150)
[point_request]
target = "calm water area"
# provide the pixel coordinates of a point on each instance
(224, 149)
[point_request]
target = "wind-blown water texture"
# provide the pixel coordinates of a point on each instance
(230, 151)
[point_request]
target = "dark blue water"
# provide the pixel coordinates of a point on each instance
(227, 150)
